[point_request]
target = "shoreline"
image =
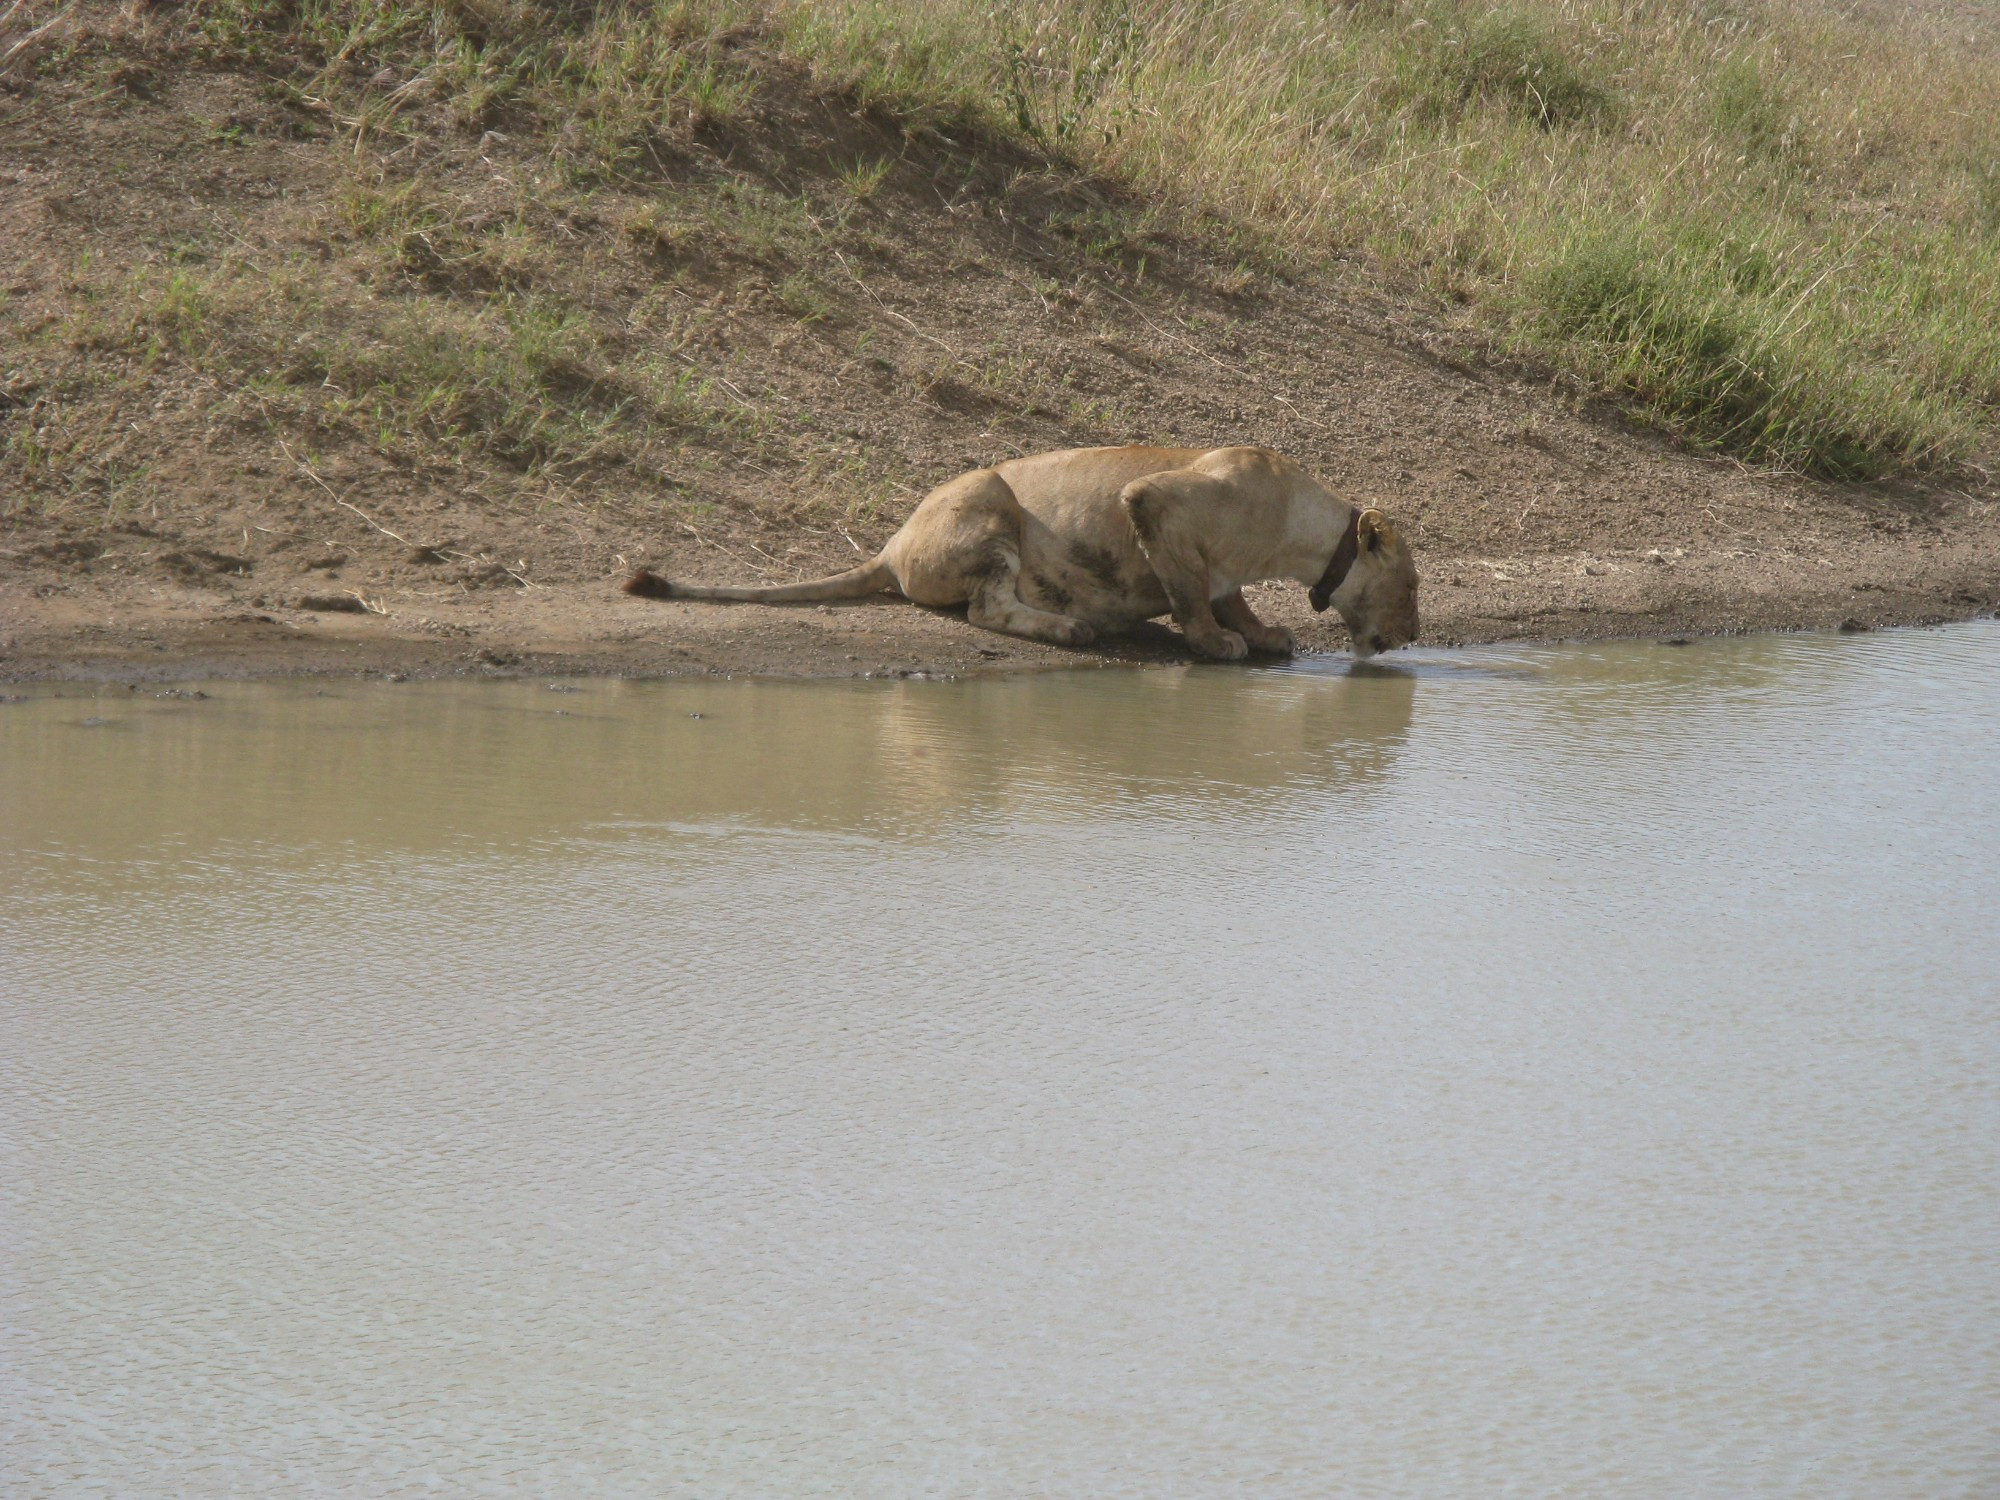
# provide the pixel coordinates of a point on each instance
(141, 631)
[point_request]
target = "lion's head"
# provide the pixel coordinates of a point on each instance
(1377, 597)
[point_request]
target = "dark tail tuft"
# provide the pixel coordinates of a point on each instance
(649, 585)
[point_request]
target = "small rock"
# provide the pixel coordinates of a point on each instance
(68, 552)
(1852, 626)
(339, 604)
(198, 562)
(485, 575)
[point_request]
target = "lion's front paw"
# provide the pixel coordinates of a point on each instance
(1224, 645)
(1075, 633)
(1272, 640)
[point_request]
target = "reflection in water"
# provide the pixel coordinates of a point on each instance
(1558, 1072)
(419, 764)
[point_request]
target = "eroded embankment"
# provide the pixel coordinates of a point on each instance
(449, 381)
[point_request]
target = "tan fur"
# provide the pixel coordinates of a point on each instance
(1061, 546)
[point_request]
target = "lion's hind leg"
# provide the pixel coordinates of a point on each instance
(996, 604)
(967, 550)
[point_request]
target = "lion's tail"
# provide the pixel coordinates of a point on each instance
(856, 583)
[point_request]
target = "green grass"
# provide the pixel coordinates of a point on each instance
(1519, 60)
(1775, 229)
(1807, 205)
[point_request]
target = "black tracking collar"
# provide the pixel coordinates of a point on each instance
(1336, 569)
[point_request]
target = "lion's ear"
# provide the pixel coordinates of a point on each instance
(1373, 529)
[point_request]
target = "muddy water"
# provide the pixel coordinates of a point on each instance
(1518, 1072)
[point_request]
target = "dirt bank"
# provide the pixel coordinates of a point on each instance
(1750, 571)
(284, 394)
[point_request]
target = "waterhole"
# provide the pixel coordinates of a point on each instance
(1547, 1072)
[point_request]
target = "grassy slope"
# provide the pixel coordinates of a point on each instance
(1778, 231)
(1778, 228)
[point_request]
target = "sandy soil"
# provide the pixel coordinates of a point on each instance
(138, 625)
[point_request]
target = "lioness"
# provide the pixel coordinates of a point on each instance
(1060, 546)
